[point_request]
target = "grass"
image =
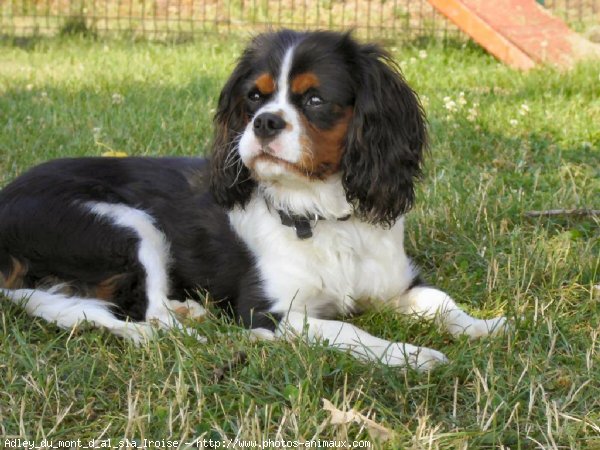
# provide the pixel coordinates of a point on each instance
(537, 387)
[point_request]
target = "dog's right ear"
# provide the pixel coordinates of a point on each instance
(230, 180)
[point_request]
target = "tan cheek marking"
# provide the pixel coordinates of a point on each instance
(265, 84)
(324, 147)
(303, 82)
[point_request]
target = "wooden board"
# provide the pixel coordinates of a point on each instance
(520, 33)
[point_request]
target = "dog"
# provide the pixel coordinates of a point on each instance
(295, 220)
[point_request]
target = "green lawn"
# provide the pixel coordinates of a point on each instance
(503, 143)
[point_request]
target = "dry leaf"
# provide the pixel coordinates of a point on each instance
(339, 417)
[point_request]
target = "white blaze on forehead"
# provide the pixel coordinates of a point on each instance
(284, 74)
(280, 103)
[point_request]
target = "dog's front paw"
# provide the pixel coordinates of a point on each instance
(491, 327)
(422, 359)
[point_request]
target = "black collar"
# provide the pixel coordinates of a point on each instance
(303, 225)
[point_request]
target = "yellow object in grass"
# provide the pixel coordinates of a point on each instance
(114, 154)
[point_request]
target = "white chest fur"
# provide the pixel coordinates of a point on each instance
(344, 261)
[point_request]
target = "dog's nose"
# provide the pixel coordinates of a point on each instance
(268, 125)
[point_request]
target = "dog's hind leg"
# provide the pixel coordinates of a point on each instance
(103, 263)
(154, 258)
(67, 312)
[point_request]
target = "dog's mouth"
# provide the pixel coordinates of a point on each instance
(267, 150)
(267, 154)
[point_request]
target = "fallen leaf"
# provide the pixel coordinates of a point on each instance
(339, 417)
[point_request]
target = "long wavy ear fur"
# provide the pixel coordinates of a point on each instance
(385, 142)
(230, 180)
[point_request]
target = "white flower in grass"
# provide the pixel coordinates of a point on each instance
(28, 120)
(43, 97)
(29, 87)
(117, 99)
(462, 101)
(97, 132)
(422, 54)
(450, 104)
(472, 114)
(524, 109)
(513, 122)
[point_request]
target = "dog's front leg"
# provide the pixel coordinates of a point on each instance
(431, 303)
(359, 343)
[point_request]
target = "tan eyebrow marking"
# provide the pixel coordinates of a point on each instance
(265, 83)
(303, 82)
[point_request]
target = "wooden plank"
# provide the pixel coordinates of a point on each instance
(483, 33)
(520, 33)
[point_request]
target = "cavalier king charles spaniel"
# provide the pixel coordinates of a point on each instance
(295, 220)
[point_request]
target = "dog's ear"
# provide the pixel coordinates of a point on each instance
(385, 142)
(230, 180)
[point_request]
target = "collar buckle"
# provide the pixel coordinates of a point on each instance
(302, 225)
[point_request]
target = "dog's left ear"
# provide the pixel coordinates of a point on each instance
(385, 142)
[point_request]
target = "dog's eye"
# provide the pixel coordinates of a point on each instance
(254, 96)
(314, 101)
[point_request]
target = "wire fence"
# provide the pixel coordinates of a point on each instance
(579, 14)
(185, 19)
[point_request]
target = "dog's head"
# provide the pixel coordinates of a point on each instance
(305, 108)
